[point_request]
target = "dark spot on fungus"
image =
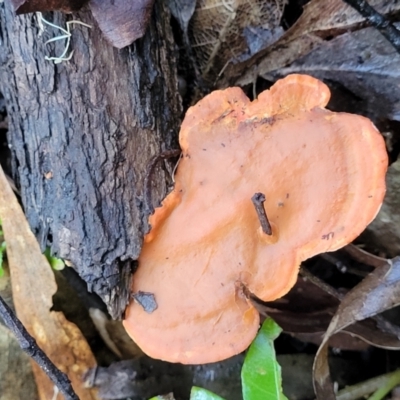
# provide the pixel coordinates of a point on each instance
(328, 236)
(267, 121)
(146, 300)
(222, 116)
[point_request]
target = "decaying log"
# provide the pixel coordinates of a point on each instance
(82, 133)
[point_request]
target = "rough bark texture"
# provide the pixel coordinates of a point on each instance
(82, 133)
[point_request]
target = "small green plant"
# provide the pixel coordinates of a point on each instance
(261, 373)
(203, 394)
(56, 263)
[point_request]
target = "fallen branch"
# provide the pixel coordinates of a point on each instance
(378, 21)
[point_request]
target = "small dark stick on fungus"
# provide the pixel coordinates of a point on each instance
(258, 201)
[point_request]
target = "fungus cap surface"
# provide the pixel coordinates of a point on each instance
(322, 174)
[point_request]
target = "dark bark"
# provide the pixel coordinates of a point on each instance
(82, 133)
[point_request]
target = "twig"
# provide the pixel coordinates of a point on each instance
(29, 345)
(364, 257)
(335, 261)
(382, 323)
(258, 201)
(305, 273)
(387, 386)
(149, 173)
(342, 268)
(378, 21)
(360, 390)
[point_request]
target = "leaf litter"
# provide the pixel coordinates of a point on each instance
(329, 40)
(378, 292)
(320, 20)
(364, 63)
(233, 30)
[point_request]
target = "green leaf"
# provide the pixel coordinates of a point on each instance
(203, 394)
(261, 373)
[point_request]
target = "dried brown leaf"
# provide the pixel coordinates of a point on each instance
(121, 21)
(386, 226)
(319, 20)
(374, 334)
(305, 309)
(232, 30)
(378, 292)
(339, 340)
(183, 11)
(323, 386)
(33, 286)
(364, 63)
(306, 312)
(27, 6)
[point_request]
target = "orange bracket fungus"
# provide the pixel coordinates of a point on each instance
(261, 186)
